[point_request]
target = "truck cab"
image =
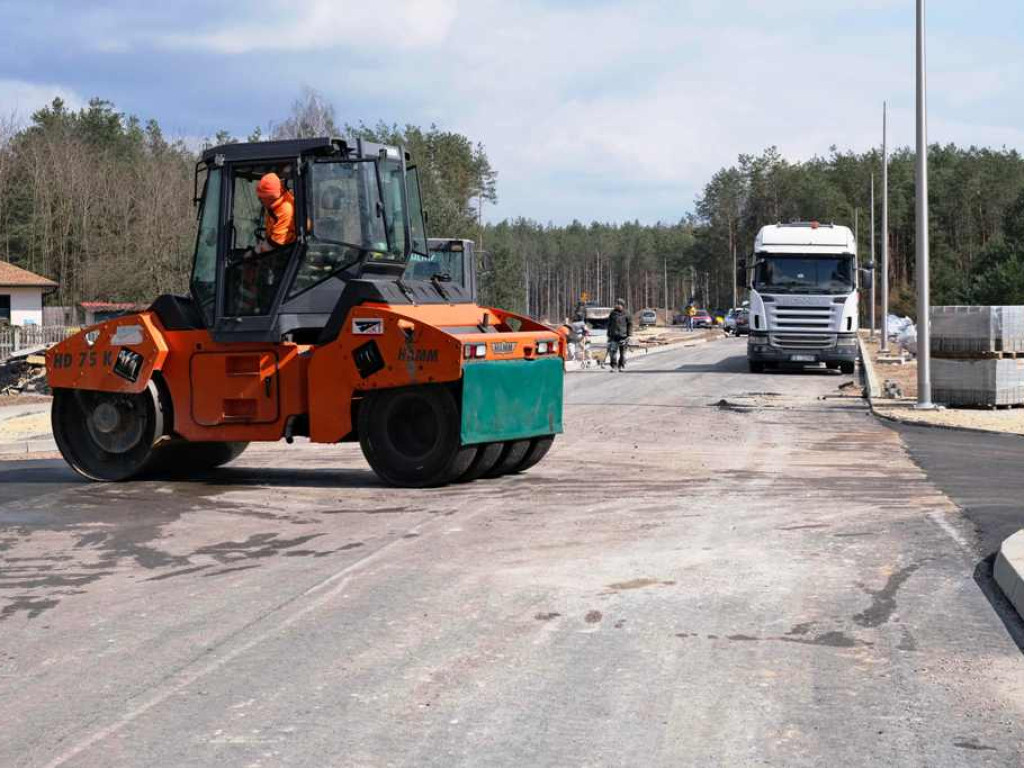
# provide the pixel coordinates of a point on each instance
(804, 286)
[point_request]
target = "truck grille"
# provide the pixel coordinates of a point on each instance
(803, 340)
(786, 318)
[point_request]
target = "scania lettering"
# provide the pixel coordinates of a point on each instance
(804, 296)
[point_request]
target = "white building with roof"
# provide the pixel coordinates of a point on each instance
(21, 295)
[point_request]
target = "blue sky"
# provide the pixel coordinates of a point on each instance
(593, 110)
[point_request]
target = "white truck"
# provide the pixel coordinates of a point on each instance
(804, 296)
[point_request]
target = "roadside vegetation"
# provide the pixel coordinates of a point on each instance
(102, 202)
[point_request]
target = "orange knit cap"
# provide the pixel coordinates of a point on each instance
(269, 187)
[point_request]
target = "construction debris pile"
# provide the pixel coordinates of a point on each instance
(24, 373)
(978, 356)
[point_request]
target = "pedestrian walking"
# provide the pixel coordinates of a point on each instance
(620, 328)
(691, 312)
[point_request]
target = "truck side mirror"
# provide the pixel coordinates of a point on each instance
(741, 273)
(867, 278)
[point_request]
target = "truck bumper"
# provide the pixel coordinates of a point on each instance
(511, 400)
(760, 350)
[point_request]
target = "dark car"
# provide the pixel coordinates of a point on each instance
(742, 318)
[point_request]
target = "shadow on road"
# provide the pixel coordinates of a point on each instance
(734, 365)
(15, 475)
(235, 477)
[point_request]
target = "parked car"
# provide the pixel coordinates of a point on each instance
(648, 317)
(742, 322)
(737, 321)
(703, 319)
(730, 321)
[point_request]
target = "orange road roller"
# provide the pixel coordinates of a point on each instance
(327, 336)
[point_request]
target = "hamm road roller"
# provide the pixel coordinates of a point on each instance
(326, 336)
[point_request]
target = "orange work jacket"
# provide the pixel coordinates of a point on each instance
(279, 220)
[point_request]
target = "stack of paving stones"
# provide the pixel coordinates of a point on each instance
(978, 356)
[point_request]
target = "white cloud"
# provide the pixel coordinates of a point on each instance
(610, 109)
(20, 99)
(622, 111)
(281, 25)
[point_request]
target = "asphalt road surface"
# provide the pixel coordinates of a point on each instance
(711, 568)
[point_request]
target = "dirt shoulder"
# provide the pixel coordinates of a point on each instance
(902, 409)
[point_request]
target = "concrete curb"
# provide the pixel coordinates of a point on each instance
(23, 447)
(1009, 570)
(867, 367)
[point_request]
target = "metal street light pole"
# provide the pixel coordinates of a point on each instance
(873, 256)
(668, 320)
(885, 228)
(924, 374)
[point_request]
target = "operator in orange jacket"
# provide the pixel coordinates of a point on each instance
(256, 277)
(279, 217)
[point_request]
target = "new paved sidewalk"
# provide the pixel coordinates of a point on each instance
(25, 428)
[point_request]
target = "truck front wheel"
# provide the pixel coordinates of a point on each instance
(756, 367)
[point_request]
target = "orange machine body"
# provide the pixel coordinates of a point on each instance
(252, 392)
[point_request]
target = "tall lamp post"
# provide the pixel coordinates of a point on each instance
(873, 291)
(885, 228)
(924, 353)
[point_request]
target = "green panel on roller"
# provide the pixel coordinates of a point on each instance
(511, 400)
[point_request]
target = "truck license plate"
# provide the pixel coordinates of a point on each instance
(803, 358)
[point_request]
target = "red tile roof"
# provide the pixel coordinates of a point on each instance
(12, 276)
(109, 306)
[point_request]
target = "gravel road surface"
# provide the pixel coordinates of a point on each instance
(711, 568)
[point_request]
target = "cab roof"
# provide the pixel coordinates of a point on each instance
(291, 148)
(829, 238)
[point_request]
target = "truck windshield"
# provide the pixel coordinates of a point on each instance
(792, 273)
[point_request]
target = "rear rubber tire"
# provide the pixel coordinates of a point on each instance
(847, 368)
(539, 448)
(484, 462)
(756, 367)
(512, 456)
(411, 436)
(104, 450)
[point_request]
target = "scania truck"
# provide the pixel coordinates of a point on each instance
(804, 296)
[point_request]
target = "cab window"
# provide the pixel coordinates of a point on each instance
(252, 280)
(345, 221)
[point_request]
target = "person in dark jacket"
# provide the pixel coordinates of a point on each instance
(620, 328)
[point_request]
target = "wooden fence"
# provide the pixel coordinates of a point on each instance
(14, 338)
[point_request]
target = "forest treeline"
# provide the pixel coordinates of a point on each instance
(102, 202)
(977, 232)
